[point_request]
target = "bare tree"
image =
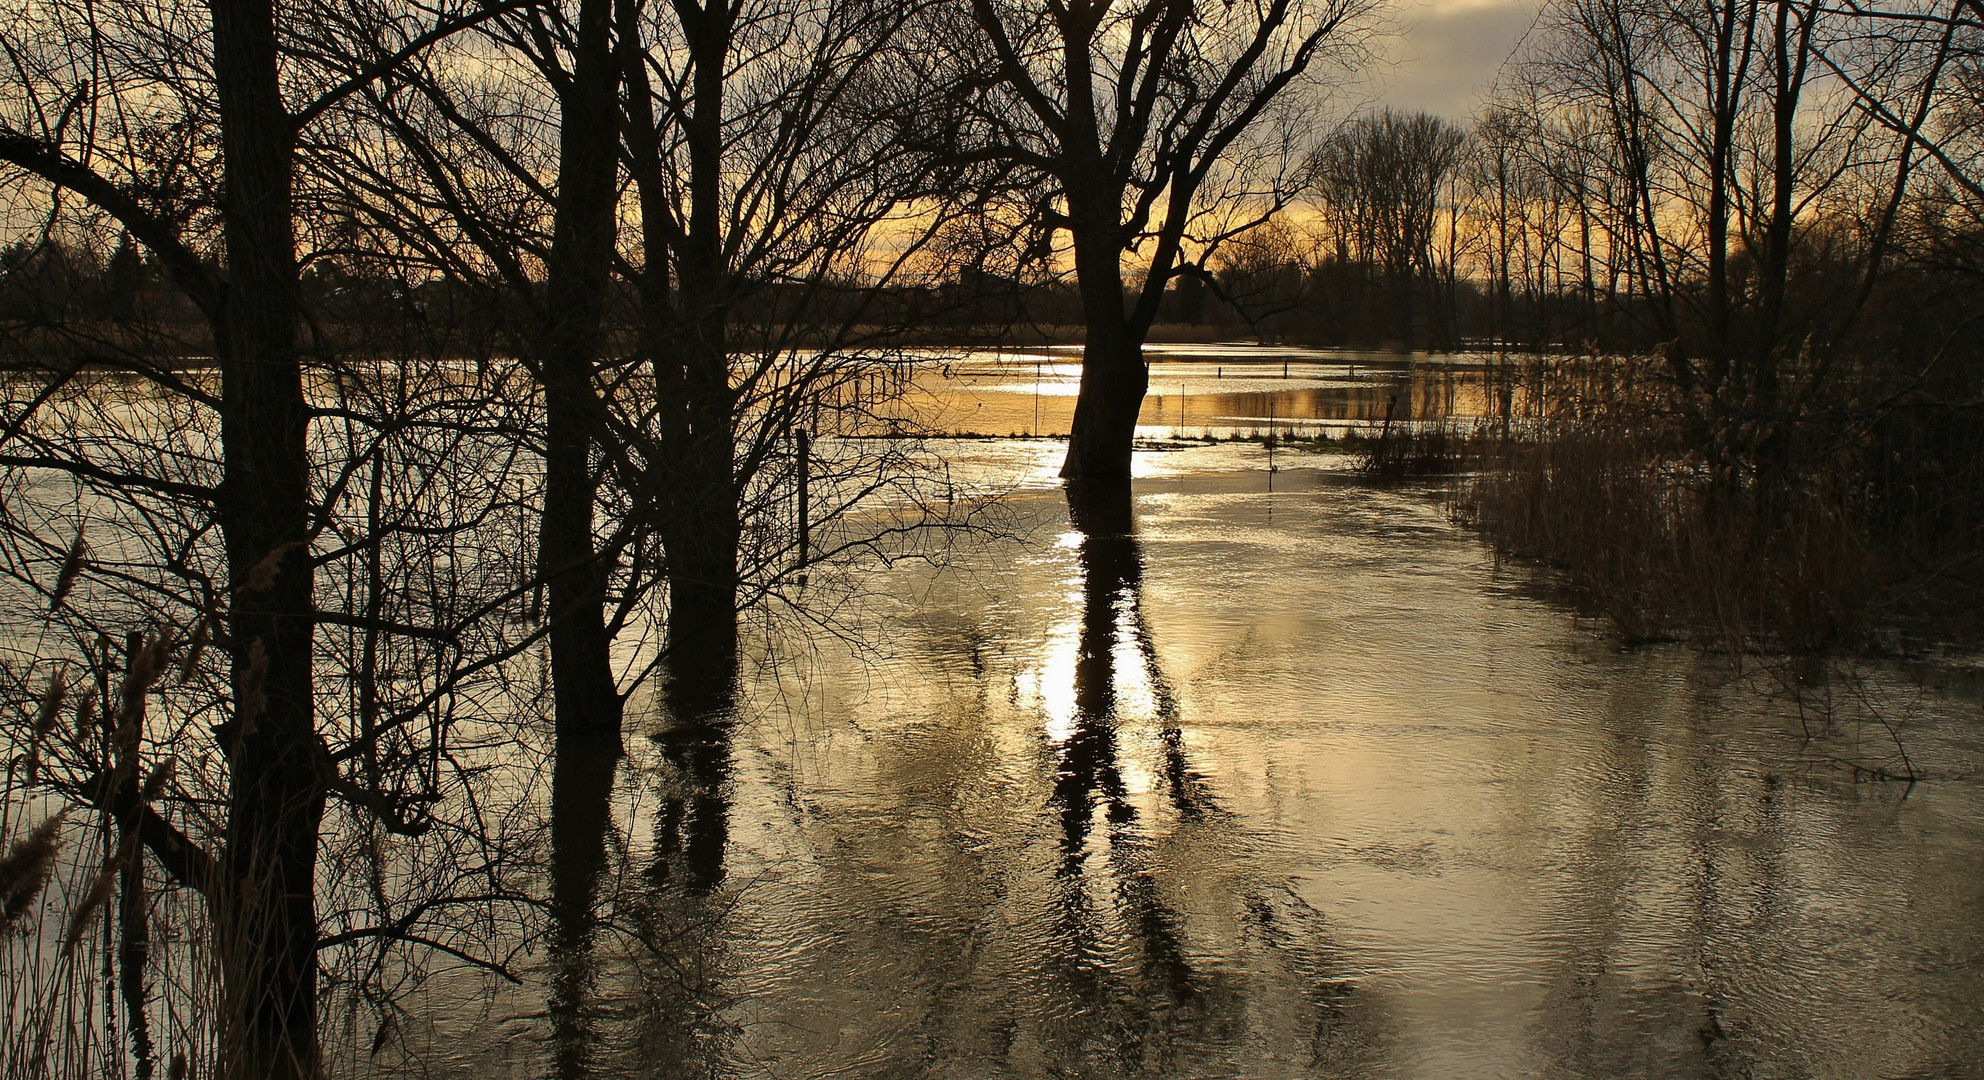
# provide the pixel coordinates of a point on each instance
(193, 154)
(577, 271)
(785, 200)
(1380, 179)
(1133, 116)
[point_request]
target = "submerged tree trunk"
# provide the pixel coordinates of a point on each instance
(577, 275)
(700, 535)
(1114, 378)
(266, 896)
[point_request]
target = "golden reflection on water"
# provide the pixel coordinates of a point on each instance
(1049, 685)
(1193, 390)
(1286, 784)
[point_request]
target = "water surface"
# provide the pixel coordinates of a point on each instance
(1195, 391)
(1282, 784)
(1291, 780)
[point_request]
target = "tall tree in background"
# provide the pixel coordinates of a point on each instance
(1380, 179)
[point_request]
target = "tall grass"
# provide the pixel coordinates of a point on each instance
(1419, 448)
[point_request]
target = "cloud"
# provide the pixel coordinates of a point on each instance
(1448, 54)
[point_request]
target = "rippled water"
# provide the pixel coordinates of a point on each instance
(1282, 784)
(1290, 781)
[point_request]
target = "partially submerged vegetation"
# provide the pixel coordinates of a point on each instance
(1859, 526)
(1761, 230)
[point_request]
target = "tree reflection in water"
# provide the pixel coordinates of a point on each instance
(1089, 778)
(581, 813)
(667, 916)
(909, 911)
(676, 915)
(693, 822)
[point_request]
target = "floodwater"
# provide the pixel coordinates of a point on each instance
(1289, 783)
(1195, 391)
(1289, 780)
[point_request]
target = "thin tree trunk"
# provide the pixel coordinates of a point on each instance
(1731, 69)
(133, 910)
(1792, 50)
(577, 275)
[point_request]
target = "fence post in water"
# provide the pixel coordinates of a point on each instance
(1272, 433)
(802, 453)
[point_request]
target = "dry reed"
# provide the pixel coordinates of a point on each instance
(26, 870)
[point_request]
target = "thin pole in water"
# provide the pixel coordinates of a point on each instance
(1271, 441)
(1036, 399)
(802, 453)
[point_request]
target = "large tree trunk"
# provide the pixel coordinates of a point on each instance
(265, 909)
(684, 337)
(577, 276)
(1114, 377)
(700, 536)
(700, 533)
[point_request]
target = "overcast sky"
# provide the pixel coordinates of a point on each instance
(1449, 51)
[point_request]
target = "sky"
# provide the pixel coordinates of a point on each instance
(1448, 51)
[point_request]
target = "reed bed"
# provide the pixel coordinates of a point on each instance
(1852, 523)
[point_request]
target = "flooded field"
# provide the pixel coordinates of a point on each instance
(1195, 390)
(1291, 780)
(1283, 784)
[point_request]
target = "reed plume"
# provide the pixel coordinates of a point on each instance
(25, 870)
(154, 786)
(72, 567)
(93, 900)
(46, 717)
(263, 574)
